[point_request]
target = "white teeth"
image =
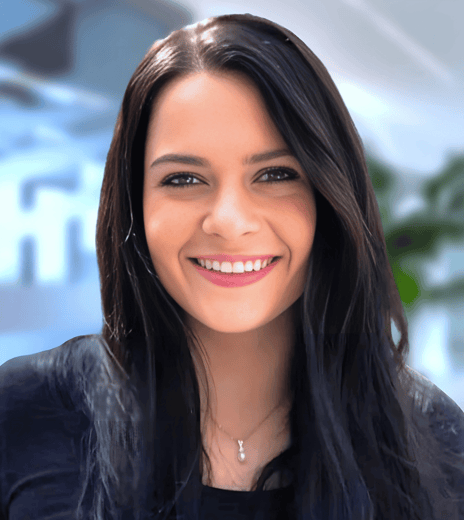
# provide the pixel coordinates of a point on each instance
(249, 266)
(237, 267)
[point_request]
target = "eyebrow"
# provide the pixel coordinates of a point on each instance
(194, 160)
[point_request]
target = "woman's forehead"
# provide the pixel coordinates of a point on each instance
(206, 110)
(186, 86)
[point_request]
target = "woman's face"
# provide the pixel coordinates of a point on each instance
(224, 203)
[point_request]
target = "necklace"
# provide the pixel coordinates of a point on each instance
(241, 450)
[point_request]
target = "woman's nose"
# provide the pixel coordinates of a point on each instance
(232, 213)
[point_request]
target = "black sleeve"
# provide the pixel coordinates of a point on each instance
(447, 423)
(445, 419)
(40, 441)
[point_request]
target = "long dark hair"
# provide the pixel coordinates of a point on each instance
(354, 430)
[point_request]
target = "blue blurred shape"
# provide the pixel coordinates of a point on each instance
(47, 47)
(67, 182)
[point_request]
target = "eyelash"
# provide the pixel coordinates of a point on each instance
(292, 176)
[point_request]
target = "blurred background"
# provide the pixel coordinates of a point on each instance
(64, 65)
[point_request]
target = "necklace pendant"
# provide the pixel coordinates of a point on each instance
(241, 452)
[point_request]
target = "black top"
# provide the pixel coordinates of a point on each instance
(43, 419)
(223, 504)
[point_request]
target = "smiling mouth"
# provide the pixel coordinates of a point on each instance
(196, 262)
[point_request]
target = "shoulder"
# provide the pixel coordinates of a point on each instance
(54, 375)
(439, 411)
(43, 419)
(49, 384)
(441, 418)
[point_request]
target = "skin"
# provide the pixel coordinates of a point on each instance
(247, 332)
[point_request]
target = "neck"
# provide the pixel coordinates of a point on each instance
(248, 374)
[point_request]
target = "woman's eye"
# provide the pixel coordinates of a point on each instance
(274, 172)
(169, 180)
(284, 174)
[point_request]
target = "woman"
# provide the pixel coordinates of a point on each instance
(278, 392)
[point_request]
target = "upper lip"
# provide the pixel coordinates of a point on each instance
(233, 258)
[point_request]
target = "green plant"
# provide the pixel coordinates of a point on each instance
(413, 240)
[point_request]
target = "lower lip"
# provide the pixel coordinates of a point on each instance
(234, 280)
